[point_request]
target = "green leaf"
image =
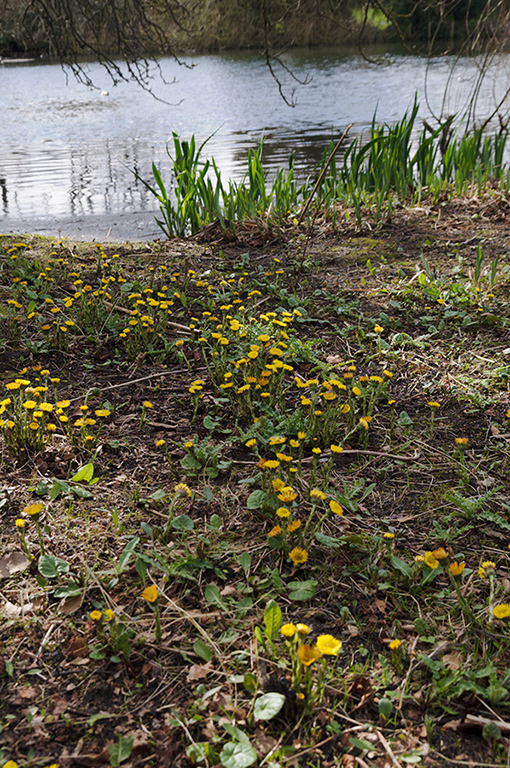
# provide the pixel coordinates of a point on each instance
(267, 706)
(237, 755)
(302, 590)
(404, 420)
(50, 566)
(210, 423)
(213, 596)
(158, 495)
(202, 650)
(57, 488)
(236, 733)
(250, 683)
(182, 523)
(422, 627)
(70, 590)
(361, 744)
(83, 493)
(257, 500)
(272, 619)
(401, 566)
(215, 523)
(99, 716)
(126, 553)
(245, 562)
(328, 541)
(121, 751)
(84, 475)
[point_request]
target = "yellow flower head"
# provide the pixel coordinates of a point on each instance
(440, 553)
(276, 531)
(430, 560)
(20, 523)
(182, 490)
(33, 509)
(109, 614)
(293, 526)
(287, 494)
(336, 508)
(395, 644)
(457, 568)
(461, 441)
(434, 404)
(316, 493)
(288, 630)
(96, 615)
(501, 611)
(307, 654)
(298, 555)
(150, 593)
(283, 512)
(328, 645)
(388, 535)
(147, 404)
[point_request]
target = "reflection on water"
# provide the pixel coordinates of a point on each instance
(69, 151)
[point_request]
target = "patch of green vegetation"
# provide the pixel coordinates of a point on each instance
(257, 504)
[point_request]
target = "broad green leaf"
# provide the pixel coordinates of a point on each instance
(213, 596)
(302, 590)
(404, 420)
(267, 706)
(202, 650)
(328, 541)
(50, 566)
(57, 488)
(182, 523)
(272, 619)
(257, 500)
(245, 562)
(235, 754)
(84, 475)
(236, 733)
(121, 750)
(401, 566)
(83, 493)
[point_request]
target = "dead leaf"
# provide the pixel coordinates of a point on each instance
(12, 611)
(197, 672)
(70, 604)
(27, 693)
(13, 562)
(264, 743)
(228, 590)
(76, 648)
(494, 430)
(453, 660)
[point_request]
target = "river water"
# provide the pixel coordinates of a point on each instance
(68, 151)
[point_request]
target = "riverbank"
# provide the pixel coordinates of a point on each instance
(264, 509)
(214, 25)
